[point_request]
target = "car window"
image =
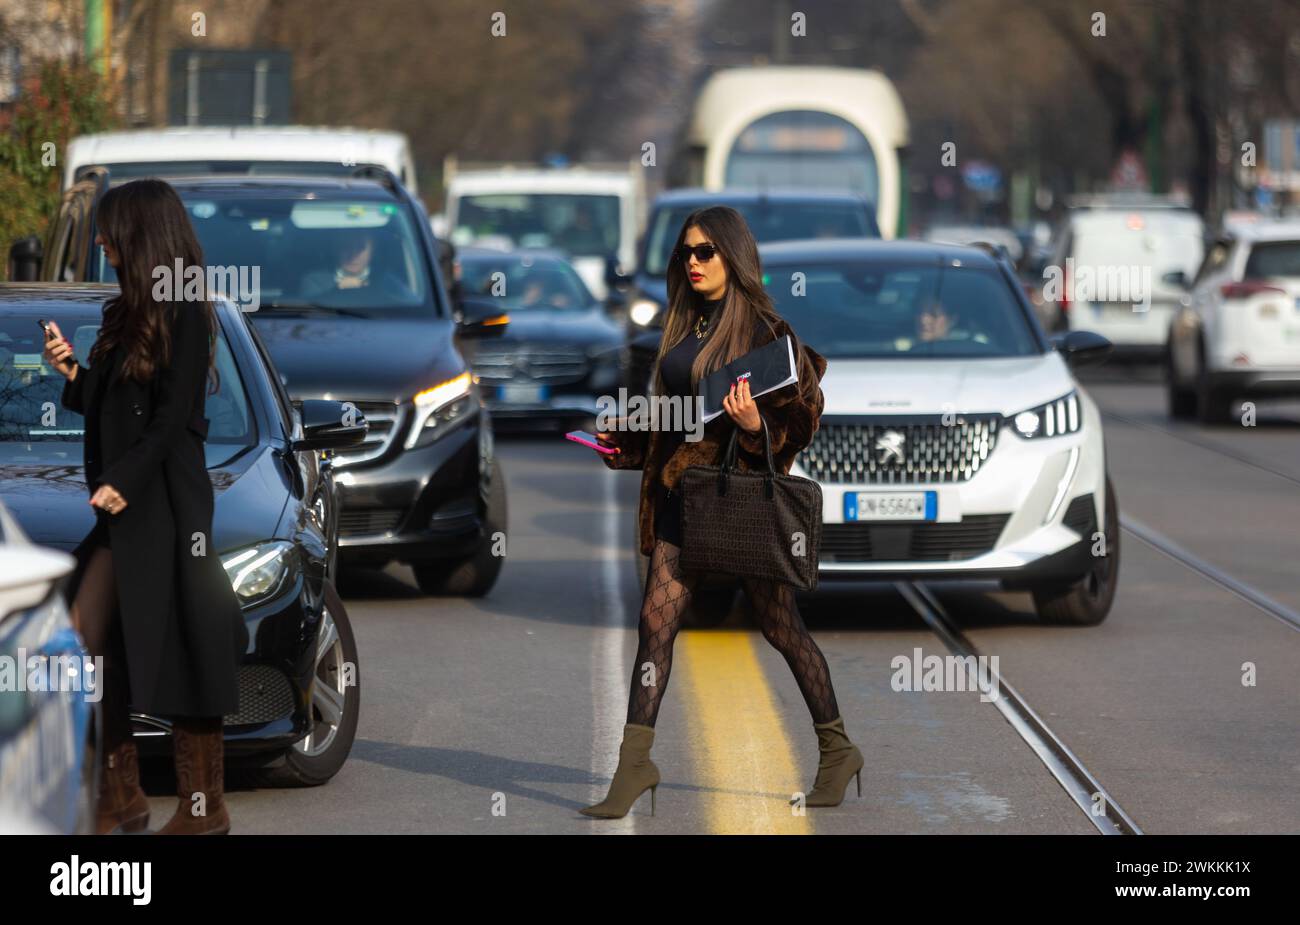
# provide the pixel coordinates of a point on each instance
(875, 309)
(291, 252)
(523, 282)
(1273, 258)
(770, 221)
(35, 428)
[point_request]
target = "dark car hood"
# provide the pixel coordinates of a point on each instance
(544, 326)
(50, 501)
(376, 358)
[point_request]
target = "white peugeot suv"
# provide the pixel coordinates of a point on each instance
(955, 442)
(1238, 333)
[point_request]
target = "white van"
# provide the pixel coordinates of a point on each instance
(1108, 270)
(590, 213)
(240, 149)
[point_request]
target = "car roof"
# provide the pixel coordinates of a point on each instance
(1267, 230)
(38, 297)
(904, 251)
(736, 194)
(294, 185)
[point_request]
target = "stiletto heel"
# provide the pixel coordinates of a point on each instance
(652, 798)
(857, 776)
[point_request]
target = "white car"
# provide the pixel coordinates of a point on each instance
(1110, 269)
(252, 149)
(1238, 335)
(955, 442)
(46, 774)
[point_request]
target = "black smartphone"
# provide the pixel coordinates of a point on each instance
(45, 327)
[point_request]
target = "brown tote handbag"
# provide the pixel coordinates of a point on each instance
(751, 524)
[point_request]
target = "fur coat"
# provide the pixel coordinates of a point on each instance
(792, 415)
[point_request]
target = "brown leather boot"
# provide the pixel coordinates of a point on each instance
(199, 751)
(122, 805)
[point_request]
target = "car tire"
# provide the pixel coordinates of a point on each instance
(474, 575)
(1213, 405)
(1181, 400)
(309, 764)
(1086, 602)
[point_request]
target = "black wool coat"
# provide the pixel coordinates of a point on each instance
(792, 415)
(183, 630)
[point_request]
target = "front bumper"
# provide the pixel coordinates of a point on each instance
(1029, 515)
(414, 505)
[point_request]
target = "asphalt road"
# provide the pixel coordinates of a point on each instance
(503, 714)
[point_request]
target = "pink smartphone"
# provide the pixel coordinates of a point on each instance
(586, 439)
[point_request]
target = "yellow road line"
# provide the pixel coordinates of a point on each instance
(743, 760)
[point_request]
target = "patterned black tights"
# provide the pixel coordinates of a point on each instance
(778, 617)
(668, 594)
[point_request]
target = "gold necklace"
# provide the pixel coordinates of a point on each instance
(701, 327)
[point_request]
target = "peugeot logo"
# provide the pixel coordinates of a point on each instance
(890, 444)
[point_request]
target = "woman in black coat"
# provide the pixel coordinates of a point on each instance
(718, 311)
(150, 592)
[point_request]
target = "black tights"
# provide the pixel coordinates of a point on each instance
(95, 614)
(668, 593)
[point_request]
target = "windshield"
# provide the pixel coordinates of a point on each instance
(768, 221)
(291, 253)
(884, 310)
(803, 148)
(35, 428)
(523, 282)
(581, 225)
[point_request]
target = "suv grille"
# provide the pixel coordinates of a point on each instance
(902, 450)
(558, 366)
(972, 536)
(368, 520)
(383, 419)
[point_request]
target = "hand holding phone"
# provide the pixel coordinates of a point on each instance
(58, 352)
(594, 441)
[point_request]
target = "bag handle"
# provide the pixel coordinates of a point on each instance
(729, 461)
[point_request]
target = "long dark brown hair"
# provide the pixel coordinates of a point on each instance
(745, 306)
(146, 223)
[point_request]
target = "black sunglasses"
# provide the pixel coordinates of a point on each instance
(703, 252)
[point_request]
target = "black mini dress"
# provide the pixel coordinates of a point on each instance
(676, 369)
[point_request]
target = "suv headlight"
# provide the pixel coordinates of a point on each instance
(1054, 419)
(643, 311)
(438, 405)
(258, 572)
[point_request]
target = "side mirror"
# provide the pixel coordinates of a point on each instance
(328, 425)
(1176, 278)
(481, 317)
(1081, 348)
(614, 276)
(25, 256)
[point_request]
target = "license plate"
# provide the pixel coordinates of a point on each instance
(521, 393)
(890, 505)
